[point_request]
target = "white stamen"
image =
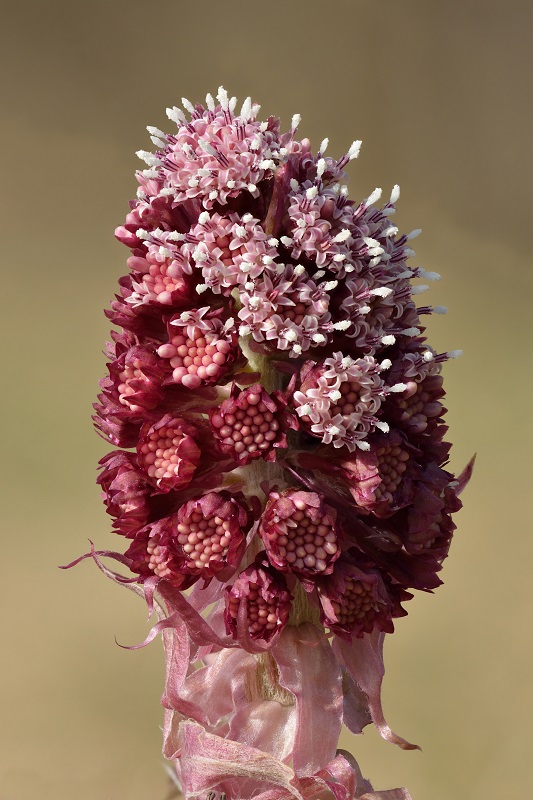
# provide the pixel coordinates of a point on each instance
(339, 257)
(392, 231)
(299, 270)
(408, 252)
(204, 173)
(354, 150)
(300, 223)
(249, 287)
(319, 274)
(204, 218)
(165, 252)
(323, 146)
(394, 195)
(267, 260)
(166, 192)
(296, 119)
(158, 142)
(411, 332)
(365, 310)
(311, 193)
(388, 339)
(142, 234)
(176, 115)
(286, 240)
(303, 410)
(252, 188)
(141, 194)
(267, 163)
(233, 103)
(230, 184)
(273, 242)
(244, 330)
(174, 236)
(213, 195)
(383, 426)
(440, 310)
(330, 285)
(454, 353)
(297, 349)
(210, 102)
(414, 234)
(342, 236)
(263, 126)
(334, 395)
(319, 338)
(386, 363)
(294, 184)
(202, 287)
(398, 387)
(334, 430)
(427, 355)
(371, 199)
(240, 231)
(419, 289)
(381, 291)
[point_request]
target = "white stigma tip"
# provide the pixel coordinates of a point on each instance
(299, 270)
(319, 338)
(388, 339)
(202, 287)
(419, 289)
(188, 105)
(381, 291)
(311, 193)
(296, 119)
(323, 146)
(320, 167)
(429, 276)
(386, 363)
(267, 163)
(294, 184)
(343, 325)
(383, 426)
(414, 234)
(330, 285)
(204, 217)
(210, 102)
(246, 109)
(394, 195)
(342, 236)
(398, 387)
(176, 115)
(303, 410)
(427, 355)
(222, 98)
(354, 150)
(362, 445)
(286, 240)
(371, 199)
(440, 310)
(454, 353)
(411, 332)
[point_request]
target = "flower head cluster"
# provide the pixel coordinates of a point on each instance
(279, 419)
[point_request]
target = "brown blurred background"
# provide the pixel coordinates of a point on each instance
(440, 93)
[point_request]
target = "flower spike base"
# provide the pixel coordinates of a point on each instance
(278, 471)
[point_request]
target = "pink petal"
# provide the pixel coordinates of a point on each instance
(308, 669)
(266, 725)
(363, 658)
(207, 761)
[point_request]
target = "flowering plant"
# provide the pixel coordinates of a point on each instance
(278, 419)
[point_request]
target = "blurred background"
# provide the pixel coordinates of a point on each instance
(440, 93)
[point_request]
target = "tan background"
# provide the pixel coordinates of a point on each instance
(440, 92)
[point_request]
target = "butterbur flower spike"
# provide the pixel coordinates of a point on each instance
(277, 420)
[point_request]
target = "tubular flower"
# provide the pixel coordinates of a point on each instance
(279, 429)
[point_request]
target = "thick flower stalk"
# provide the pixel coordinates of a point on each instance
(277, 419)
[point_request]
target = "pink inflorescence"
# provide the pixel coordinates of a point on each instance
(277, 410)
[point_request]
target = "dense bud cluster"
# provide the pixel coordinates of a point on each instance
(275, 404)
